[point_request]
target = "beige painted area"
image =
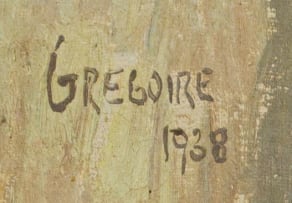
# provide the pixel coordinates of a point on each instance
(117, 156)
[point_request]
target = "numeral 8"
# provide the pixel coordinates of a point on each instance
(219, 150)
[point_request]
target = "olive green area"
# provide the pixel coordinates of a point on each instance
(272, 172)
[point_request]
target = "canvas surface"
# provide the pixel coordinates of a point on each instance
(145, 101)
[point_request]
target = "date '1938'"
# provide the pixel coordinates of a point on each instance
(198, 152)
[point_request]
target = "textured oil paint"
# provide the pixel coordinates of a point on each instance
(145, 101)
